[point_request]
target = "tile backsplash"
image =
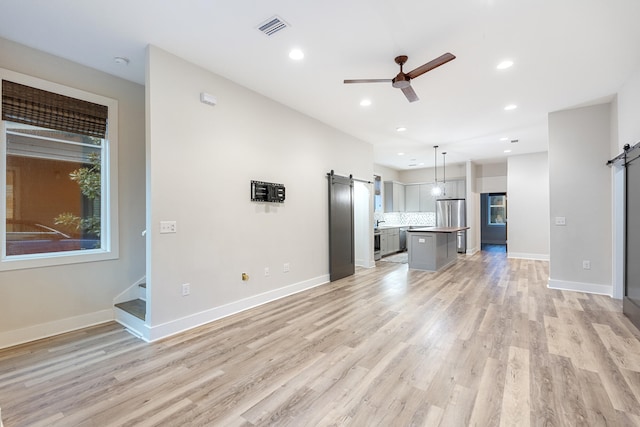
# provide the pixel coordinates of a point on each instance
(406, 218)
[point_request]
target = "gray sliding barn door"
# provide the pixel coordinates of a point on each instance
(341, 232)
(631, 302)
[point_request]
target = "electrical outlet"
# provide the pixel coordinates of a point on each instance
(266, 271)
(586, 264)
(285, 267)
(168, 227)
(186, 289)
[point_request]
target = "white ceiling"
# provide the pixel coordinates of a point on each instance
(565, 52)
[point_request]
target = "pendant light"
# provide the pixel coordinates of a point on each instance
(444, 174)
(436, 190)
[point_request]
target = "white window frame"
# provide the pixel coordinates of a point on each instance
(489, 206)
(109, 208)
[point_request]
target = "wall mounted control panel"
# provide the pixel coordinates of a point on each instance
(267, 192)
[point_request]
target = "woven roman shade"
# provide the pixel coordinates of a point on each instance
(37, 107)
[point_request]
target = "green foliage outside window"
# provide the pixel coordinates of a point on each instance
(90, 181)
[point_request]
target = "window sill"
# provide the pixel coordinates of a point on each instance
(20, 262)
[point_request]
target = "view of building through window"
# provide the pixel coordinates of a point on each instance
(53, 190)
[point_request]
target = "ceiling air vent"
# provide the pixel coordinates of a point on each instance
(273, 25)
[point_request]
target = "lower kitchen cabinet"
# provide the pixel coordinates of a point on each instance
(389, 241)
(393, 240)
(383, 242)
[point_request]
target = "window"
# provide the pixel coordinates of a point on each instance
(58, 149)
(497, 209)
(377, 193)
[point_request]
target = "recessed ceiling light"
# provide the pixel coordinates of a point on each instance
(365, 102)
(121, 60)
(507, 151)
(400, 154)
(504, 64)
(296, 54)
(510, 107)
(504, 138)
(401, 129)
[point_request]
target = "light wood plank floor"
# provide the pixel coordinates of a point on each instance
(483, 343)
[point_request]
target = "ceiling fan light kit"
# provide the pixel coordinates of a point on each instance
(402, 80)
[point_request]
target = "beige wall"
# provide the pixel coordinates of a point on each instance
(492, 177)
(200, 161)
(386, 173)
(48, 300)
(581, 192)
(628, 114)
(528, 206)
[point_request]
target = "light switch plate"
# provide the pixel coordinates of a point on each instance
(560, 220)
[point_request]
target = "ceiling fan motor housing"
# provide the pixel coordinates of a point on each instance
(401, 81)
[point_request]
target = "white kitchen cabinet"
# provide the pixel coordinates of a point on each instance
(400, 197)
(427, 200)
(456, 189)
(393, 196)
(412, 198)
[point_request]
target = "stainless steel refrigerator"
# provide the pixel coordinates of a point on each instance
(453, 213)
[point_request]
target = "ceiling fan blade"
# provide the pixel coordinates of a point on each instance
(410, 94)
(441, 60)
(369, 81)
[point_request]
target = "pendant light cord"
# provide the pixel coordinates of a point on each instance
(435, 164)
(444, 174)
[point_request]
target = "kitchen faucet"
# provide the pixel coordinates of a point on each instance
(378, 222)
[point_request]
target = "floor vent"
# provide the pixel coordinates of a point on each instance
(273, 25)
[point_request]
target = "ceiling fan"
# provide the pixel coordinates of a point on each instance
(403, 80)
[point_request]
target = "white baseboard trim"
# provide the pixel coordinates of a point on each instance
(134, 325)
(365, 264)
(590, 288)
(189, 322)
(56, 327)
(523, 255)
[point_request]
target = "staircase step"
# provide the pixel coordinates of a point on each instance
(136, 307)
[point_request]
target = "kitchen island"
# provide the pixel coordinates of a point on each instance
(432, 248)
